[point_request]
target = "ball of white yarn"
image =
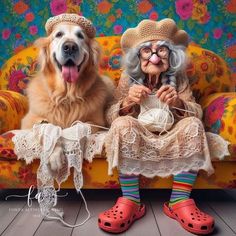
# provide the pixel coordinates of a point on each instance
(156, 119)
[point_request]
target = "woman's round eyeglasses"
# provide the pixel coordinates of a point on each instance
(146, 52)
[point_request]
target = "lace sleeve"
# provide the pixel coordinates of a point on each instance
(113, 109)
(185, 94)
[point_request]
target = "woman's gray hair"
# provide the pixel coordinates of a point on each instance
(177, 62)
(132, 66)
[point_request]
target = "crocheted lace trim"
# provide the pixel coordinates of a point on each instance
(69, 147)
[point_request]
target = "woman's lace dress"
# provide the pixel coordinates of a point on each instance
(135, 150)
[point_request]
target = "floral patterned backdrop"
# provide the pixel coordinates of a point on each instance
(210, 24)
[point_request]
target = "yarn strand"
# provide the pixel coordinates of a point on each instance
(147, 108)
(177, 108)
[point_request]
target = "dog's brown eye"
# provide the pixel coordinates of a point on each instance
(59, 34)
(80, 35)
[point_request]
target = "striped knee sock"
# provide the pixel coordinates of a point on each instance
(130, 187)
(182, 187)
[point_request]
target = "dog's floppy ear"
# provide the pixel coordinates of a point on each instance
(96, 52)
(44, 57)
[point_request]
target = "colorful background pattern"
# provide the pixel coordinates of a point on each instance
(211, 24)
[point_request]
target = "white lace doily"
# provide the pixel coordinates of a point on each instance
(66, 147)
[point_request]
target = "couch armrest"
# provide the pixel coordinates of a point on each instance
(13, 106)
(220, 117)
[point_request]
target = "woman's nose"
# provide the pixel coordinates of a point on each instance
(154, 59)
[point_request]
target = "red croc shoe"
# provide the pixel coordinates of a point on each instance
(190, 217)
(119, 218)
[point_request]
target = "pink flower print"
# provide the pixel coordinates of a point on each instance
(184, 8)
(214, 113)
(229, 35)
(118, 29)
(6, 34)
(217, 33)
(153, 15)
(58, 7)
(14, 80)
(33, 29)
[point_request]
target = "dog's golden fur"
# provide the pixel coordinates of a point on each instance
(61, 103)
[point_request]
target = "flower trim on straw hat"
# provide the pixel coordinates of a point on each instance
(84, 23)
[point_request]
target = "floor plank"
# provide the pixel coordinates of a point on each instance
(51, 227)
(146, 225)
(231, 193)
(91, 226)
(221, 229)
(166, 225)
(26, 222)
(16, 218)
(8, 211)
(171, 227)
(226, 211)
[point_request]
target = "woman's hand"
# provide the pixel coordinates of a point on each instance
(135, 95)
(169, 95)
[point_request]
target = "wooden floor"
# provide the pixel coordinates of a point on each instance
(17, 218)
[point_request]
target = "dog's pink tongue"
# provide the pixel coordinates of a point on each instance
(70, 73)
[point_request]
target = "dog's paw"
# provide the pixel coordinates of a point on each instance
(56, 159)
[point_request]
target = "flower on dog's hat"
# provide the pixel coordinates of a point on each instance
(84, 23)
(148, 30)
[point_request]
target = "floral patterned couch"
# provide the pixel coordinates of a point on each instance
(213, 88)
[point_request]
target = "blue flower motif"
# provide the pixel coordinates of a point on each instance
(114, 62)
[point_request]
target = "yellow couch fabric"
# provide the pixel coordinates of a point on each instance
(13, 107)
(212, 86)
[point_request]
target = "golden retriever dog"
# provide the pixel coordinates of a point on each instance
(67, 87)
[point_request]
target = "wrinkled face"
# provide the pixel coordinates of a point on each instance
(69, 49)
(154, 58)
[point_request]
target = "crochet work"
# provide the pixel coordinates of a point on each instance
(84, 23)
(148, 30)
(69, 146)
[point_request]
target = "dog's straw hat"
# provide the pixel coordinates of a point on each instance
(148, 30)
(84, 23)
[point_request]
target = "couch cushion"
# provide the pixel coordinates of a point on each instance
(18, 70)
(208, 73)
(13, 107)
(7, 147)
(220, 117)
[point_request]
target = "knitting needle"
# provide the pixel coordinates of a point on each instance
(172, 107)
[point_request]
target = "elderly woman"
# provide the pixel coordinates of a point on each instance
(154, 61)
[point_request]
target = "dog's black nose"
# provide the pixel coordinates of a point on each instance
(70, 48)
